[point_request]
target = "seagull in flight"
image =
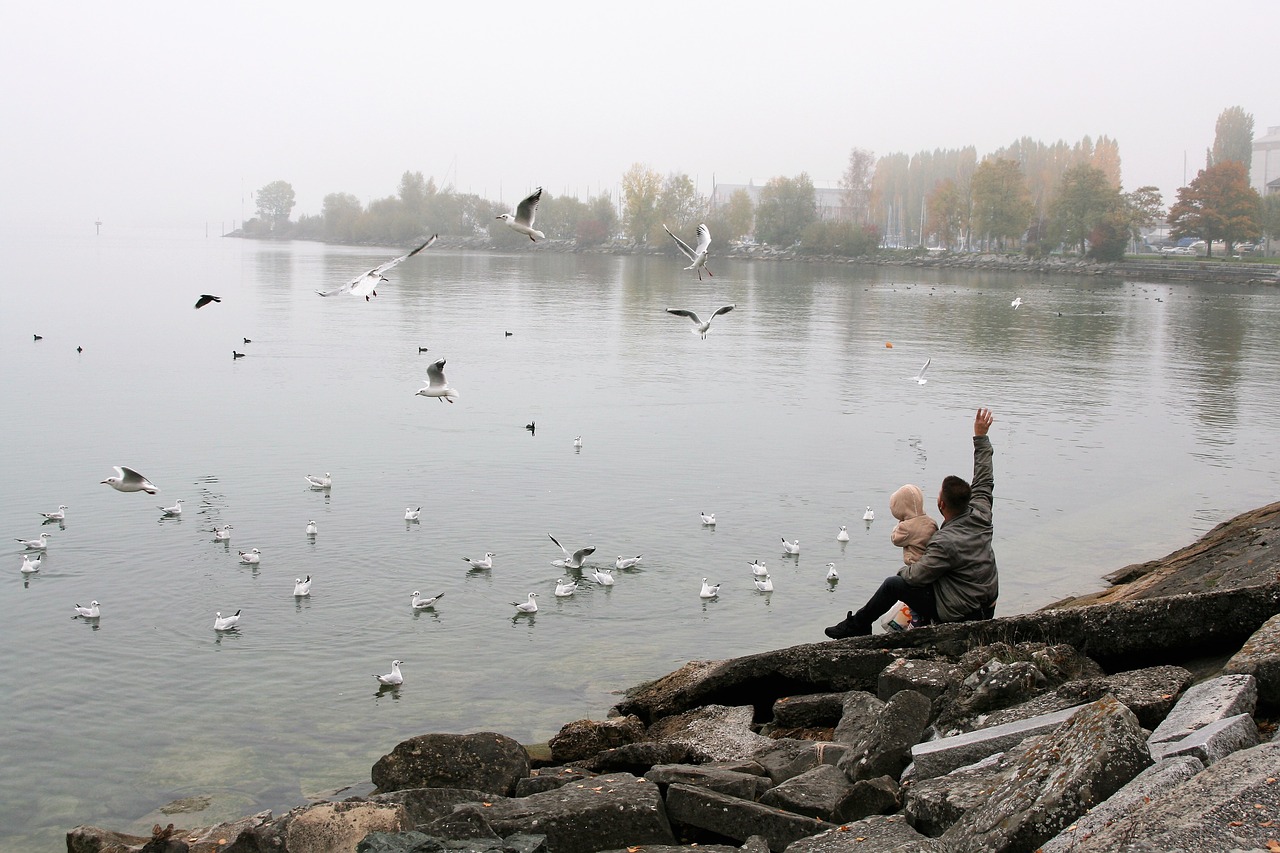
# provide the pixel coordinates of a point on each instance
(225, 623)
(437, 385)
(485, 562)
(417, 602)
(919, 377)
(700, 326)
(573, 561)
(698, 256)
(206, 298)
(1016, 303)
(392, 678)
(522, 222)
(366, 284)
(302, 587)
(129, 480)
(529, 606)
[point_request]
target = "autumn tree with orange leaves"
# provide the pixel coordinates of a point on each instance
(1218, 204)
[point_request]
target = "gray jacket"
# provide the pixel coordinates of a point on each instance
(958, 561)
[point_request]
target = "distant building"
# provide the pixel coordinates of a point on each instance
(828, 197)
(1264, 171)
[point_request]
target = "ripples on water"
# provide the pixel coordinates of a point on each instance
(1131, 417)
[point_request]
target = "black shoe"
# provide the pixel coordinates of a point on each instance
(849, 627)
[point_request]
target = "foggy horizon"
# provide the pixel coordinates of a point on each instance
(173, 116)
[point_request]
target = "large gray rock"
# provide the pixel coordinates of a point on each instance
(465, 823)
(584, 738)
(1233, 805)
(637, 758)
(1260, 657)
(823, 792)
(1206, 703)
(1149, 693)
(939, 757)
(1150, 784)
(793, 757)
(1214, 742)
(887, 748)
(485, 761)
(616, 810)
(809, 711)
(881, 795)
(933, 805)
(738, 819)
(880, 834)
(547, 779)
(859, 713)
(731, 783)
(338, 827)
(929, 678)
(712, 733)
(1059, 778)
(424, 805)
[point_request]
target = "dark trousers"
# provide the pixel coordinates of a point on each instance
(919, 598)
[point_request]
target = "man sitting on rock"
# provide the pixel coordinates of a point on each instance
(956, 578)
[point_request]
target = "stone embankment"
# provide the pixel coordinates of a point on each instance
(1139, 721)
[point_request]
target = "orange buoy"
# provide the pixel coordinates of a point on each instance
(888, 344)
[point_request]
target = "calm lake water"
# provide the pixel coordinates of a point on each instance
(1130, 418)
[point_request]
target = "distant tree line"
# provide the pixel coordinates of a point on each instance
(1028, 197)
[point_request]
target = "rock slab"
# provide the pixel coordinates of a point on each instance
(485, 761)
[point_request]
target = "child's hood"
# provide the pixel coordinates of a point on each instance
(907, 502)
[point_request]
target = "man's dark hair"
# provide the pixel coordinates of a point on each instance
(956, 494)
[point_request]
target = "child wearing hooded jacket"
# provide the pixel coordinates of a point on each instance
(912, 532)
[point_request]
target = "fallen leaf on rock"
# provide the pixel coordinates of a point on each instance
(1236, 823)
(487, 805)
(1273, 846)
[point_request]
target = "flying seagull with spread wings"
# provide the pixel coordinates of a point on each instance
(366, 284)
(698, 256)
(206, 298)
(522, 222)
(700, 326)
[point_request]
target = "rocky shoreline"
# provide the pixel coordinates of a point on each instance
(1137, 719)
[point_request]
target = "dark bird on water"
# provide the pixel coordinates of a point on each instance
(79, 349)
(506, 334)
(247, 341)
(422, 349)
(206, 298)
(235, 355)
(530, 426)
(38, 337)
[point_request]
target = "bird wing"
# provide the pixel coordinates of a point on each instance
(920, 375)
(684, 247)
(562, 548)
(435, 374)
(704, 238)
(680, 312)
(527, 209)
(583, 553)
(346, 288)
(129, 476)
(379, 270)
(206, 298)
(722, 310)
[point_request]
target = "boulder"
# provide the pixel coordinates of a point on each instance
(607, 812)
(485, 761)
(338, 827)
(823, 792)
(584, 738)
(1260, 657)
(880, 834)
(1206, 703)
(810, 711)
(886, 750)
(1213, 742)
(712, 733)
(858, 715)
(637, 758)
(548, 779)
(1005, 685)
(939, 757)
(731, 783)
(466, 822)
(793, 757)
(929, 678)
(1056, 780)
(933, 805)
(881, 795)
(92, 839)
(424, 805)
(738, 819)
(1149, 693)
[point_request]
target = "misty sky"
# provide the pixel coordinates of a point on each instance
(173, 113)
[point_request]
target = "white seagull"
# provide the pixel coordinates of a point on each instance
(573, 561)
(832, 574)
(792, 547)
(708, 520)
(222, 534)
(325, 482)
(411, 514)
(225, 623)
(90, 612)
(919, 377)
(577, 442)
(529, 606)
(392, 678)
(626, 562)
(843, 535)
(522, 222)
(700, 327)
(757, 569)
(58, 514)
(604, 577)
(30, 566)
(302, 587)
(764, 584)
(176, 509)
(311, 528)
(366, 284)
(38, 544)
(869, 515)
(437, 386)
(709, 591)
(565, 588)
(1015, 303)
(485, 562)
(417, 602)
(129, 480)
(251, 557)
(698, 256)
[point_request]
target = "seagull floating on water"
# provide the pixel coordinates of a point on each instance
(302, 587)
(708, 590)
(252, 557)
(573, 561)
(577, 442)
(758, 569)
(708, 520)
(225, 623)
(40, 543)
(206, 298)
(701, 327)
(311, 528)
(764, 584)
(58, 514)
(324, 482)
(869, 515)
(485, 562)
(698, 256)
(565, 588)
(1016, 303)
(919, 377)
(626, 562)
(366, 284)
(30, 566)
(417, 602)
(90, 612)
(176, 509)
(843, 535)
(792, 547)
(522, 222)
(832, 574)
(411, 514)
(604, 577)
(437, 385)
(222, 534)
(529, 606)
(392, 678)
(129, 480)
